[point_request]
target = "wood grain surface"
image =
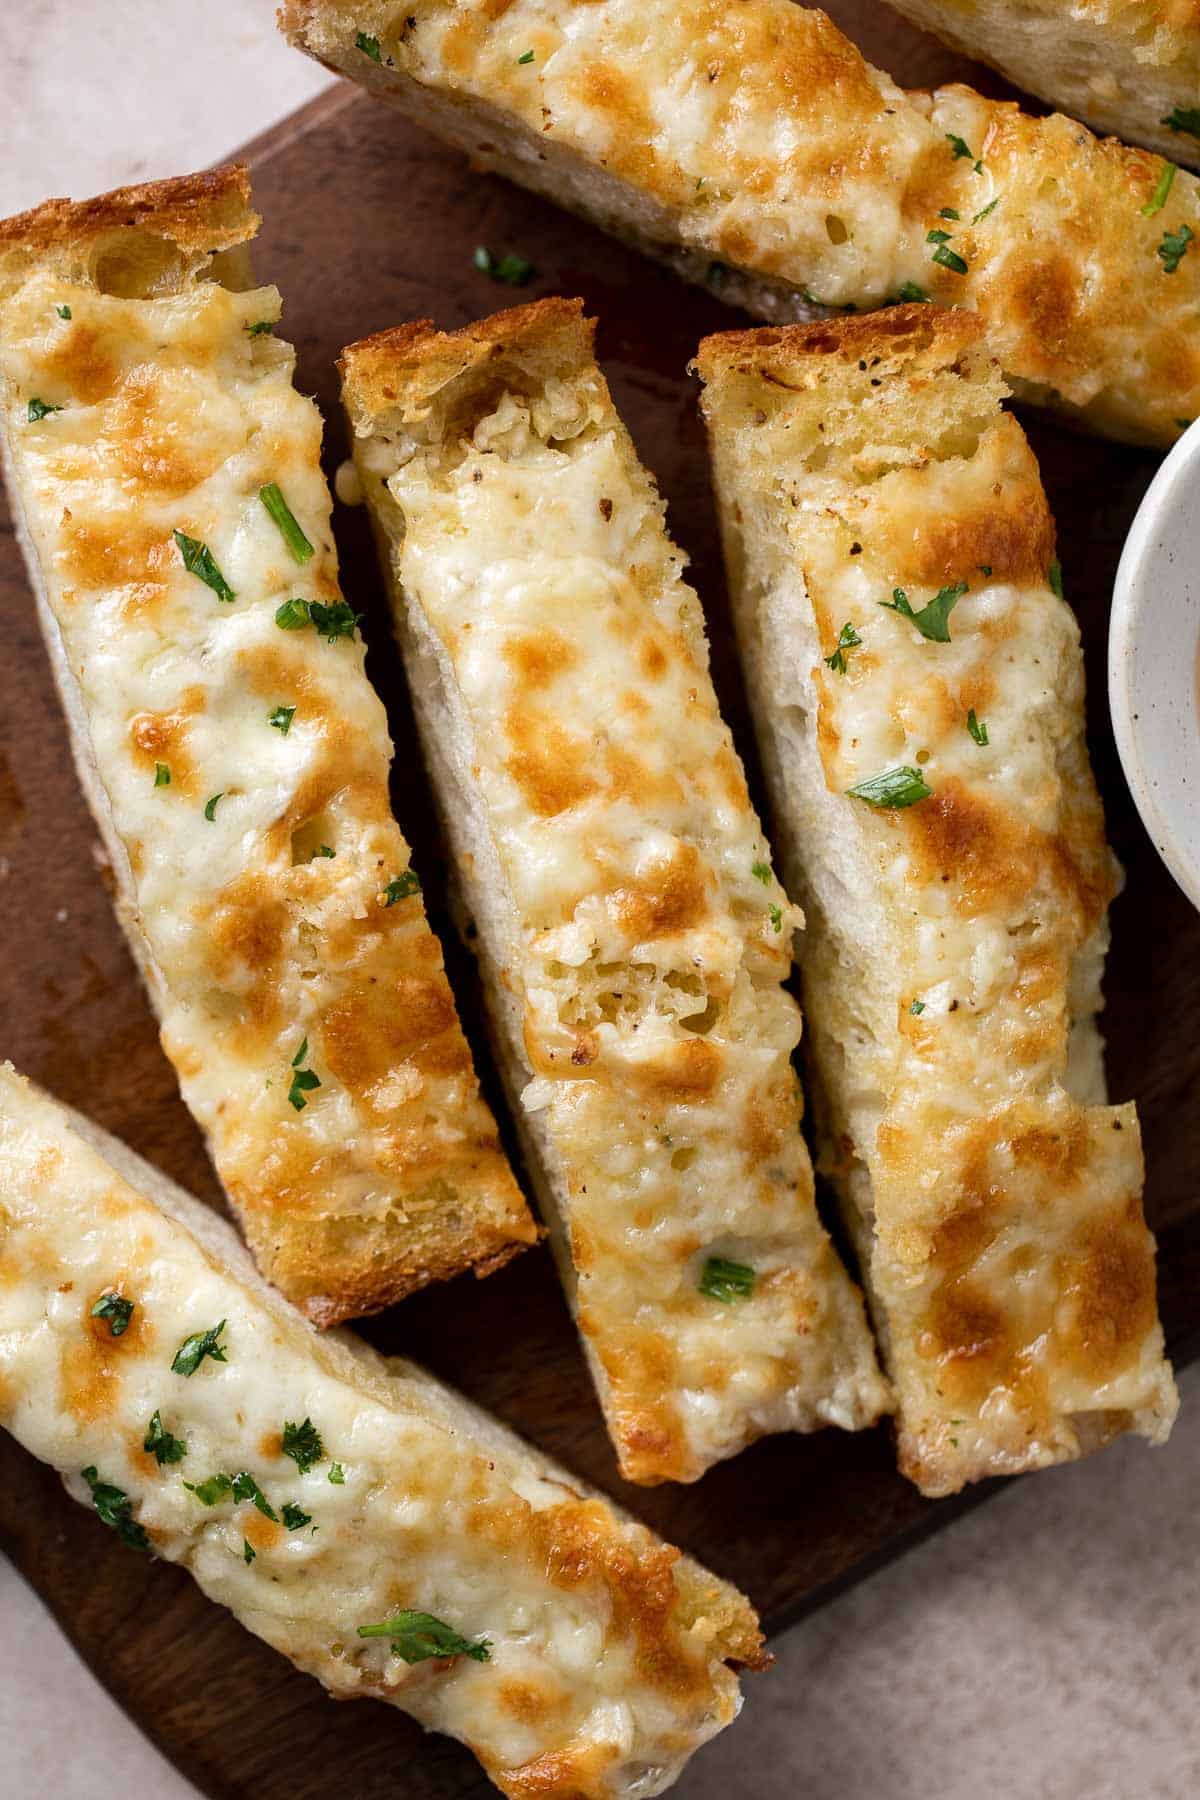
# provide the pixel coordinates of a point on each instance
(368, 222)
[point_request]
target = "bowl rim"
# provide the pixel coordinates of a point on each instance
(1127, 619)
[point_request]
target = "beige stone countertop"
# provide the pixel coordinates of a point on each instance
(1046, 1646)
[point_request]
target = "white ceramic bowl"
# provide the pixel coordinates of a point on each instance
(1154, 661)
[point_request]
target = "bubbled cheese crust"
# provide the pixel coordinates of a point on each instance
(252, 939)
(1124, 68)
(609, 1652)
(634, 938)
(752, 135)
(954, 948)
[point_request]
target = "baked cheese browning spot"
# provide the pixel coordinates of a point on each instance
(177, 504)
(633, 936)
(454, 1572)
(954, 947)
(753, 149)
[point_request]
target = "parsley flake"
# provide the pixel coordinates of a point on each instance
(917, 1008)
(117, 1310)
(510, 269)
(333, 622)
(726, 1281)
(115, 1510)
(527, 58)
(39, 409)
(949, 259)
(1054, 577)
(933, 620)
(1173, 248)
(948, 212)
(985, 210)
(977, 728)
(418, 1637)
(163, 1445)
(294, 1517)
(303, 1444)
(961, 148)
(282, 718)
(64, 312)
(248, 1552)
(198, 561)
(1158, 198)
(210, 805)
(162, 775)
(402, 888)
(337, 1475)
(260, 327)
(212, 1491)
(892, 789)
(369, 46)
(910, 291)
(193, 1350)
(848, 639)
(303, 1080)
(1183, 118)
(761, 871)
(283, 516)
(775, 914)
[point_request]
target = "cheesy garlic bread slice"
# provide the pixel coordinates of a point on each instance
(633, 937)
(372, 1526)
(918, 687)
(1134, 70)
(748, 144)
(166, 481)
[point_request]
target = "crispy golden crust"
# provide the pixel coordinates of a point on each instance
(259, 884)
(749, 144)
(954, 945)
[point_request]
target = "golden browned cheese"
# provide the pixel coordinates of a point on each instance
(957, 903)
(315, 1489)
(237, 769)
(1133, 69)
(748, 143)
(632, 934)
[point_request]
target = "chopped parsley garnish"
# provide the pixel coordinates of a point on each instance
(933, 620)
(210, 805)
(337, 1475)
(949, 259)
(283, 516)
(303, 1080)
(948, 212)
(1183, 118)
(246, 1488)
(292, 615)
(295, 1517)
(726, 1281)
(512, 270)
(64, 312)
(775, 914)
(248, 1552)
(527, 58)
(39, 409)
(402, 887)
(961, 148)
(892, 788)
(162, 775)
(369, 46)
(163, 1445)
(977, 727)
(917, 1008)
(212, 1491)
(260, 327)
(1158, 198)
(322, 850)
(331, 622)
(282, 718)
(193, 1350)
(198, 561)
(985, 569)
(761, 871)
(985, 210)
(117, 1310)
(303, 1444)
(239, 1487)
(910, 291)
(115, 1510)
(1173, 248)
(848, 639)
(418, 1637)
(1054, 577)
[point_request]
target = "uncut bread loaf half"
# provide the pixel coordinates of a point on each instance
(167, 486)
(918, 688)
(1133, 70)
(371, 1525)
(748, 144)
(632, 935)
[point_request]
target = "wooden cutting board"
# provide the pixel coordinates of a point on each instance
(368, 222)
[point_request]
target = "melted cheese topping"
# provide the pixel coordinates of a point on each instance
(955, 946)
(606, 1647)
(255, 860)
(644, 938)
(752, 134)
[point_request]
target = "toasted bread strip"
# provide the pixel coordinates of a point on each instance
(632, 935)
(238, 770)
(957, 910)
(313, 1488)
(1134, 70)
(748, 143)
